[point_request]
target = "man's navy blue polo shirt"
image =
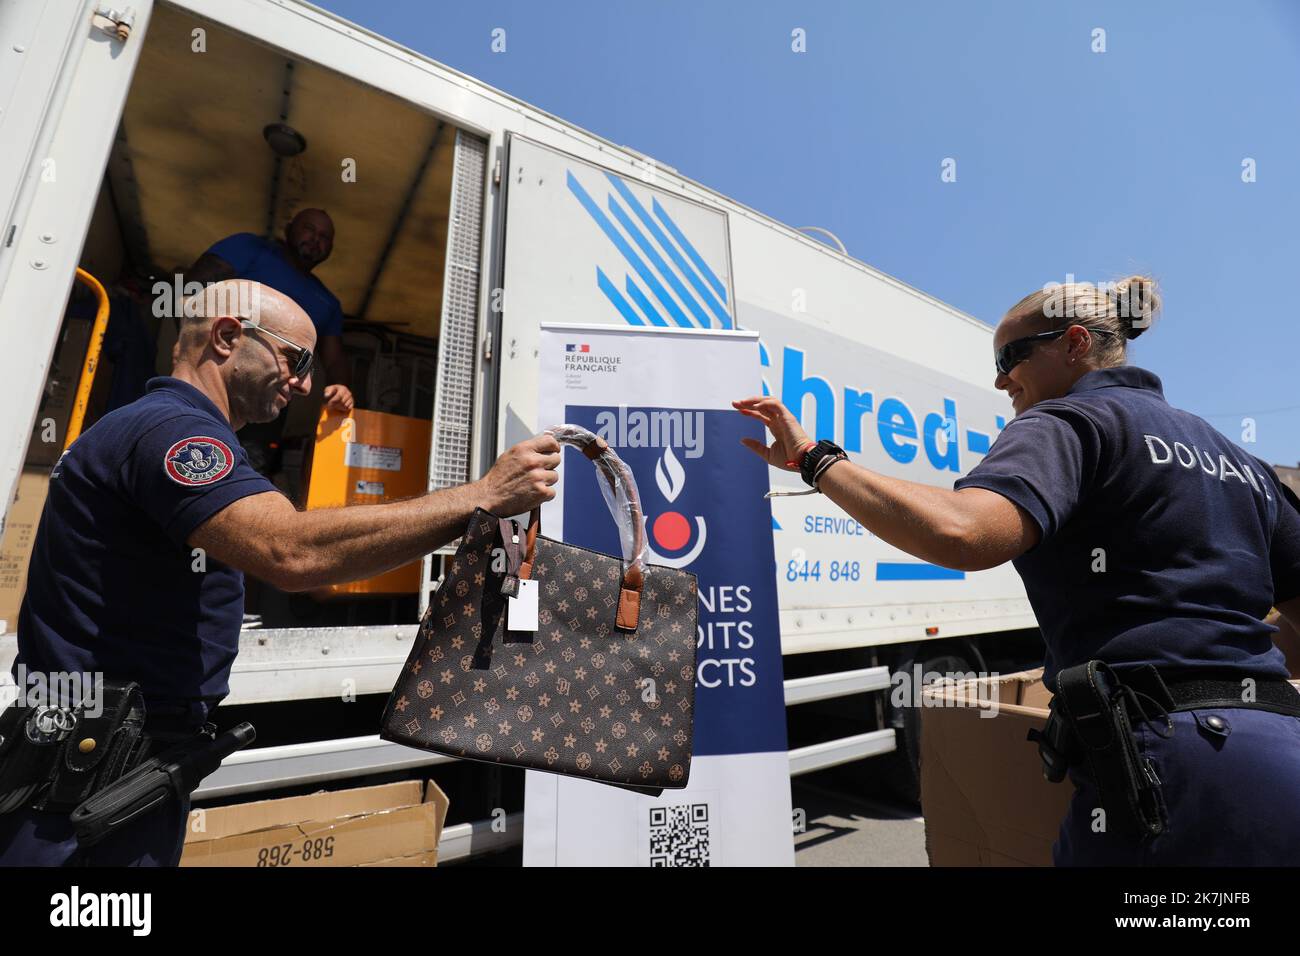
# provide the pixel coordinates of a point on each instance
(1162, 541)
(112, 586)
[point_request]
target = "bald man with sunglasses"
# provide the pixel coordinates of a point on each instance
(153, 518)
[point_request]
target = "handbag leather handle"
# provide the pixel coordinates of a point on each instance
(596, 450)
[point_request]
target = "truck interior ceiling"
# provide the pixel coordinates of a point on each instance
(194, 161)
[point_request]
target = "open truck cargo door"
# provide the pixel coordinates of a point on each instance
(64, 76)
(584, 243)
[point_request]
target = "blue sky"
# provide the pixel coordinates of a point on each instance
(1068, 161)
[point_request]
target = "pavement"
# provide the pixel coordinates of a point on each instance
(844, 829)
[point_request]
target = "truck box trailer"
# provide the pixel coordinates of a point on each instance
(137, 137)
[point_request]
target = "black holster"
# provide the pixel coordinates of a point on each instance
(173, 774)
(1091, 721)
(1057, 747)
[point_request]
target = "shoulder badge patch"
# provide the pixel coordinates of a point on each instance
(198, 461)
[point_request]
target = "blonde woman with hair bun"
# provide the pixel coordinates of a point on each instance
(1151, 549)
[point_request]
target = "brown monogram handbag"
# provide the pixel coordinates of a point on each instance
(604, 688)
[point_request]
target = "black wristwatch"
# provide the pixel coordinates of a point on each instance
(818, 458)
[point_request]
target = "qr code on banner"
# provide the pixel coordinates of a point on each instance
(679, 836)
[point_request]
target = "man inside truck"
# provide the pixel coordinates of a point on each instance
(137, 572)
(286, 265)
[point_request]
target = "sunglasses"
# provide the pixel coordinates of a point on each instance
(1016, 351)
(301, 366)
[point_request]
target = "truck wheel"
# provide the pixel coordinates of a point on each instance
(902, 768)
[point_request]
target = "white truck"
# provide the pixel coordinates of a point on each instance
(138, 135)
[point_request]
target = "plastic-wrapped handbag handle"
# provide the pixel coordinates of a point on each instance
(625, 507)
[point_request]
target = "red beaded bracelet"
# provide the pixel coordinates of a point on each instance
(798, 458)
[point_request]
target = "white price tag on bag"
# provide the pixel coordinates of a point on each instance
(521, 610)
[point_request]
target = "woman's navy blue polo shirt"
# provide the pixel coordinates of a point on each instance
(112, 586)
(1162, 541)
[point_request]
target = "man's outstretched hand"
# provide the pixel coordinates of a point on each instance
(523, 477)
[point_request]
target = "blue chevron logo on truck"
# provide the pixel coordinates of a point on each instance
(663, 263)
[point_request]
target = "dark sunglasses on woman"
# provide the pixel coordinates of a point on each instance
(1017, 350)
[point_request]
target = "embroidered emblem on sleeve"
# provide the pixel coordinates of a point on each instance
(198, 461)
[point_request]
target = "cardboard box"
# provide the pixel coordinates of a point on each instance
(983, 794)
(16, 549)
(366, 458)
(397, 824)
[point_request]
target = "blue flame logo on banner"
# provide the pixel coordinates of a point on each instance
(671, 531)
(702, 493)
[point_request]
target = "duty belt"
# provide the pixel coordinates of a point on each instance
(1094, 713)
(54, 754)
(1204, 689)
(107, 767)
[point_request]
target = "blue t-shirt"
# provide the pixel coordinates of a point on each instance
(1197, 538)
(264, 260)
(112, 586)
